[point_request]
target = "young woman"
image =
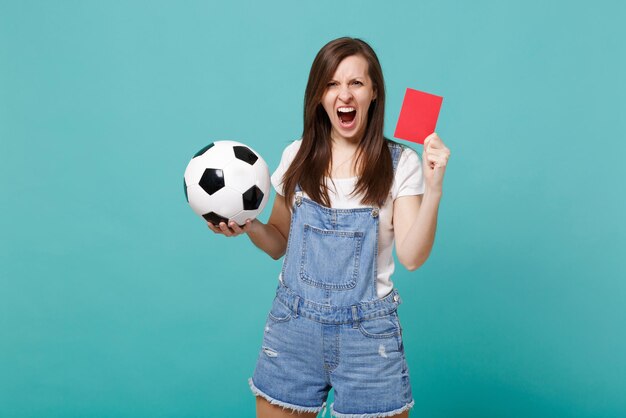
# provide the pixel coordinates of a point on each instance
(344, 195)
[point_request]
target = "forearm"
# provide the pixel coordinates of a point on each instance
(417, 244)
(268, 238)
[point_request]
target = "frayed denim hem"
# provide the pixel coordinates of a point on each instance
(257, 392)
(334, 413)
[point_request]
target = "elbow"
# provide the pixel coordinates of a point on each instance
(412, 264)
(276, 256)
(278, 253)
(411, 267)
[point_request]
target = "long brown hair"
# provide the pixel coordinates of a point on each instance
(312, 161)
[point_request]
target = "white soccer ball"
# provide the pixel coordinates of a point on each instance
(227, 181)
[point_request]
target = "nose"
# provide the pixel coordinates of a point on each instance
(345, 95)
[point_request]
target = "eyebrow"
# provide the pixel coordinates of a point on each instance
(359, 78)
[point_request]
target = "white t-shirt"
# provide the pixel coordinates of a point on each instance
(408, 181)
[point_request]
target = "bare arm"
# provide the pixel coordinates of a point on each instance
(270, 237)
(415, 224)
(415, 217)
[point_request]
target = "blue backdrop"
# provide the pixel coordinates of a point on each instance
(116, 300)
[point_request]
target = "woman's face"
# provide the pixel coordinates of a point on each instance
(347, 98)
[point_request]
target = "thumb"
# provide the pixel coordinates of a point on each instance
(428, 139)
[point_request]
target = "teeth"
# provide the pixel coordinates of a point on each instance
(345, 109)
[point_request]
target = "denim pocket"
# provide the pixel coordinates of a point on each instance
(330, 258)
(383, 327)
(279, 312)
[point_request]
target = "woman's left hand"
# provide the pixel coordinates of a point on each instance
(435, 160)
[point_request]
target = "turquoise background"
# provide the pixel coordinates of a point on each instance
(116, 300)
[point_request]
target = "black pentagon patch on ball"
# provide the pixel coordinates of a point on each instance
(245, 154)
(252, 198)
(214, 218)
(185, 187)
(203, 150)
(212, 180)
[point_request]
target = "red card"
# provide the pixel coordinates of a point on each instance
(418, 116)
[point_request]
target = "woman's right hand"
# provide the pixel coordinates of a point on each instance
(270, 237)
(232, 229)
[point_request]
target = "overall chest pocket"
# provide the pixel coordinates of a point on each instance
(330, 258)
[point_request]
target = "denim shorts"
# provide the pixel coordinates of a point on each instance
(302, 357)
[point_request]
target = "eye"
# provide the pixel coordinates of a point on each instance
(331, 84)
(357, 82)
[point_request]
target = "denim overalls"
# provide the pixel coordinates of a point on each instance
(327, 327)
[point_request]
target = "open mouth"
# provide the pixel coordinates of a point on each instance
(346, 115)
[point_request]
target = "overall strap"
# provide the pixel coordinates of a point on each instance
(396, 151)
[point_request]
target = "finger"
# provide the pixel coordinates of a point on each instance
(213, 228)
(433, 148)
(431, 160)
(435, 143)
(236, 228)
(225, 230)
(427, 160)
(247, 225)
(430, 155)
(426, 142)
(430, 138)
(439, 154)
(439, 162)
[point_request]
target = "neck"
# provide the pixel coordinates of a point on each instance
(343, 144)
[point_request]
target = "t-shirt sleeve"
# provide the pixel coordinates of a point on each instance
(288, 155)
(409, 179)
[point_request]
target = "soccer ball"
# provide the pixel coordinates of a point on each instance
(227, 181)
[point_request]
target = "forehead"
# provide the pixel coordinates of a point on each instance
(352, 67)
